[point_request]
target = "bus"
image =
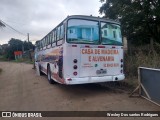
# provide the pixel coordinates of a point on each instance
(80, 50)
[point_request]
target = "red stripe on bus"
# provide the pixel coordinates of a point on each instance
(87, 46)
(74, 45)
(101, 46)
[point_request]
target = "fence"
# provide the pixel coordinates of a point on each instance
(149, 84)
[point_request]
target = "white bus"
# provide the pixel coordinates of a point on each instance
(81, 49)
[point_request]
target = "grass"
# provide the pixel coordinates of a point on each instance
(2, 58)
(23, 61)
(140, 58)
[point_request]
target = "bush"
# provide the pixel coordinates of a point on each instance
(140, 58)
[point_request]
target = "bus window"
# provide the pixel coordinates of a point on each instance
(58, 33)
(46, 43)
(55, 35)
(110, 34)
(83, 31)
(41, 44)
(53, 38)
(50, 38)
(61, 32)
(47, 39)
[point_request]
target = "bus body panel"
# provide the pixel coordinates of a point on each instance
(92, 65)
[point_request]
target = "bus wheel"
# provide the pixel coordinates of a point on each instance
(49, 75)
(40, 72)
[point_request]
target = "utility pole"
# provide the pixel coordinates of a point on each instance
(30, 57)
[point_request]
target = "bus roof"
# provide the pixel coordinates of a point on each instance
(92, 18)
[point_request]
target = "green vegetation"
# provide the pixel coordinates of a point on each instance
(140, 19)
(7, 51)
(140, 58)
(3, 58)
(140, 22)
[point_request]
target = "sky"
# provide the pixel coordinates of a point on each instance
(38, 17)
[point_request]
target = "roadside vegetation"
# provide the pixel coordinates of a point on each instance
(140, 58)
(7, 50)
(140, 23)
(22, 60)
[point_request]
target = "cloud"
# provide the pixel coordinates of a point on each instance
(38, 17)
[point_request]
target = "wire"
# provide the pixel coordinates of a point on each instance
(13, 28)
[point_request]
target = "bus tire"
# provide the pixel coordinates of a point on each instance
(40, 72)
(49, 75)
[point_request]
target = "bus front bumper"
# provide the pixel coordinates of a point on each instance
(83, 80)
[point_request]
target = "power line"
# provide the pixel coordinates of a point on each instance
(13, 28)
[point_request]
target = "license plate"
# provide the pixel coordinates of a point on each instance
(101, 71)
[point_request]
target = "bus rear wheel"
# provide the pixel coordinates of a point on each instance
(40, 71)
(49, 75)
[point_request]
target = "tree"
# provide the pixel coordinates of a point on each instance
(17, 45)
(140, 19)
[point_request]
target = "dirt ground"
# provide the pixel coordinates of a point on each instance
(22, 90)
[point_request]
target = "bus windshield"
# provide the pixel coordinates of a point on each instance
(87, 32)
(83, 31)
(110, 34)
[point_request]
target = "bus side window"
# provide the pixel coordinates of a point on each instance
(45, 41)
(58, 33)
(41, 44)
(61, 32)
(55, 35)
(50, 38)
(53, 38)
(64, 31)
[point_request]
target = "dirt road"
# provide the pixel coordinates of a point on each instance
(22, 89)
